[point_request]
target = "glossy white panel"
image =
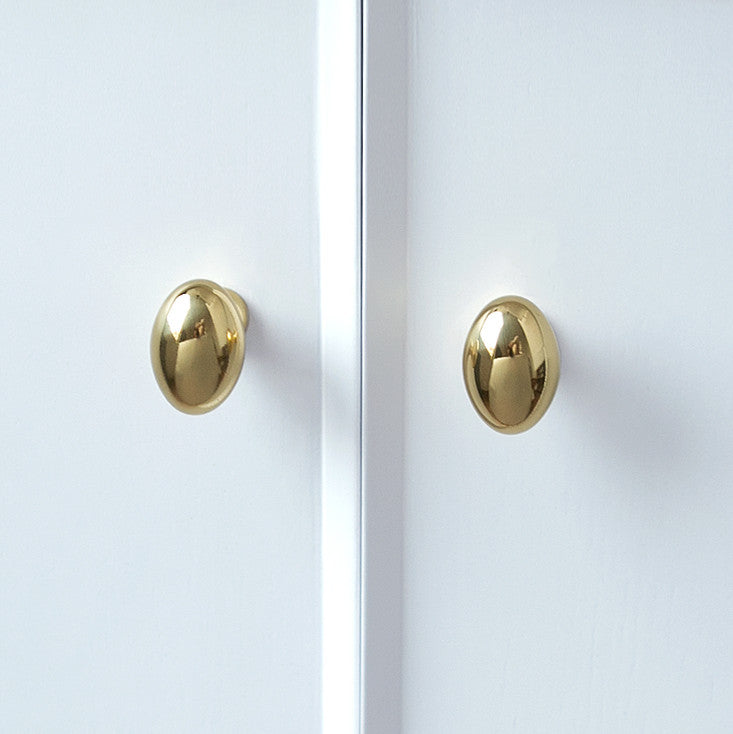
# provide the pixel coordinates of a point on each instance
(157, 571)
(576, 577)
(339, 218)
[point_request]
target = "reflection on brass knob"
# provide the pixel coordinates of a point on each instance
(511, 364)
(197, 345)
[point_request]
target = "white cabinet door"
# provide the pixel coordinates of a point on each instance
(158, 571)
(575, 578)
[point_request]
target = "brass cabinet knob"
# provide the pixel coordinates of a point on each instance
(197, 345)
(511, 364)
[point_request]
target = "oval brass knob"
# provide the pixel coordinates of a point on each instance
(197, 345)
(511, 364)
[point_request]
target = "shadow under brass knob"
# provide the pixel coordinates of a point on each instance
(511, 364)
(197, 345)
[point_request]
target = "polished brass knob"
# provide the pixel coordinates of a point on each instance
(197, 345)
(511, 364)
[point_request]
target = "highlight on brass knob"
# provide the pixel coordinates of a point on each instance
(511, 364)
(197, 345)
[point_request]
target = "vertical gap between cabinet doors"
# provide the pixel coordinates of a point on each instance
(384, 331)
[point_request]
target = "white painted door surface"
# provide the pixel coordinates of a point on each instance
(158, 572)
(576, 578)
(162, 572)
